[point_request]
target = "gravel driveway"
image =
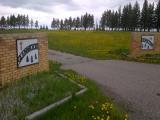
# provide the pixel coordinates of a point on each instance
(137, 85)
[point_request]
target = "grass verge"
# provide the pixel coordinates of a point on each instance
(33, 93)
(93, 105)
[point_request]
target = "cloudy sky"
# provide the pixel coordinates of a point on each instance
(45, 10)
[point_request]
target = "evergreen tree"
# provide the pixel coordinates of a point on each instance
(53, 24)
(144, 15)
(31, 23)
(91, 21)
(136, 16)
(8, 21)
(130, 17)
(3, 22)
(19, 21)
(124, 18)
(119, 17)
(116, 16)
(24, 21)
(36, 24)
(41, 27)
(13, 21)
(70, 23)
(78, 23)
(74, 23)
(46, 27)
(158, 16)
(103, 20)
(151, 17)
(85, 21)
(27, 21)
(61, 25)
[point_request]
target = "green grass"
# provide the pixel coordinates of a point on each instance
(98, 45)
(39, 90)
(78, 107)
(33, 93)
(20, 31)
(93, 44)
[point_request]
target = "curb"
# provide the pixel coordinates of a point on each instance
(58, 103)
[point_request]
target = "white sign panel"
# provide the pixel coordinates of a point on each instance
(147, 43)
(27, 52)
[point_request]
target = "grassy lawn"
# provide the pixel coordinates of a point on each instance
(33, 93)
(98, 45)
(92, 105)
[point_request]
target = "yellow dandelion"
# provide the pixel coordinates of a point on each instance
(98, 117)
(108, 118)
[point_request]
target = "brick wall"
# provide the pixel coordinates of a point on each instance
(9, 72)
(136, 43)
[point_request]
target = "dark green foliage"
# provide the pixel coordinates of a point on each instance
(86, 21)
(136, 16)
(158, 16)
(144, 16)
(19, 21)
(131, 18)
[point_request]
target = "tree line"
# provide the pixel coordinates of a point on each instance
(132, 18)
(19, 22)
(129, 18)
(84, 22)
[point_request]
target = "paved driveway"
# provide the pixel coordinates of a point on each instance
(135, 84)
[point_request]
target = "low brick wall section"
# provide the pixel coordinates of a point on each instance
(136, 43)
(9, 71)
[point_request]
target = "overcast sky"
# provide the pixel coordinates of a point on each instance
(45, 10)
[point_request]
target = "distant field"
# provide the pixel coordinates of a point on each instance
(98, 45)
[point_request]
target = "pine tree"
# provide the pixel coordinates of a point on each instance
(103, 20)
(136, 16)
(8, 21)
(27, 21)
(130, 17)
(19, 23)
(31, 23)
(158, 16)
(70, 23)
(85, 21)
(124, 18)
(53, 24)
(119, 17)
(36, 24)
(91, 21)
(151, 17)
(78, 23)
(24, 21)
(46, 27)
(144, 15)
(74, 23)
(3, 22)
(13, 21)
(41, 27)
(61, 25)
